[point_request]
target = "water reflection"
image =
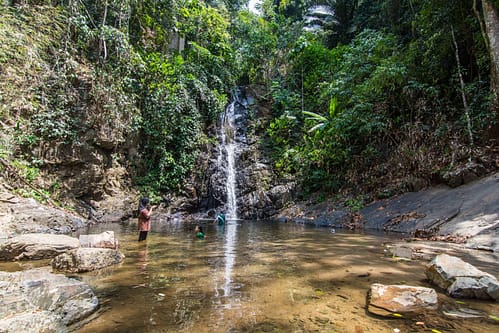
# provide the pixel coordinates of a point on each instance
(142, 257)
(230, 255)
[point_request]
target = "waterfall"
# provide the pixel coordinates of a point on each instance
(228, 149)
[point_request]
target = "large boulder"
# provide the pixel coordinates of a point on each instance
(385, 300)
(105, 239)
(36, 246)
(461, 279)
(86, 259)
(39, 301)
(22, 216)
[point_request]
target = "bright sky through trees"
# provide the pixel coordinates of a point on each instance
(252, 6)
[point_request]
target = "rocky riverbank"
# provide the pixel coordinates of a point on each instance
(467, 215)
(41, 300)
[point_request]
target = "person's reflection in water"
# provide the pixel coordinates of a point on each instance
(142, 258)
(220, 228)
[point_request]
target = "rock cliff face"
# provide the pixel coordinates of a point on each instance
(91, 174)
(65, 120)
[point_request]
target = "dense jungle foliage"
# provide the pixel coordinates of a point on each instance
(365, 92)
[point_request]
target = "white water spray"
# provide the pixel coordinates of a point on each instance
(230, 148)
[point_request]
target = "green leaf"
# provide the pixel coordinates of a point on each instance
(333, 103)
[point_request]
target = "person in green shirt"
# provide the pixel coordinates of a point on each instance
(220, 219)
(199, 232)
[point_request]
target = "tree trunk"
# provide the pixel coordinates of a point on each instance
(463, 94)
(491, 16)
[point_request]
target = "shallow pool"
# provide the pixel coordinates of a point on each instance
(258, 277)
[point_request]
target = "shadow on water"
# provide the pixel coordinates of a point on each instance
(252, 277)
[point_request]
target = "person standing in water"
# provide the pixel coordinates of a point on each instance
(144, 219)
(220, 218)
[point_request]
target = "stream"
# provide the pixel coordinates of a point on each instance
(257, 276)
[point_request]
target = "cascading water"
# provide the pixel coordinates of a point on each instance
(229, 145)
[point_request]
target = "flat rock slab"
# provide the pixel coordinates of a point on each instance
(461, 279)
(105, 239)
(468, 210)
(428, 250)
(488, 241)
(36, 246)
(87, 259)
(39, 301)
(409, 251)
(385, 300)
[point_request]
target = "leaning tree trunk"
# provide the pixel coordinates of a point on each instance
(491, 16)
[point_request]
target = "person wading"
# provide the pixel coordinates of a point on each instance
(144, 219)
(220, 219)
(199, 232)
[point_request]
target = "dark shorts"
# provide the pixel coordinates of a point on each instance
(142, 235)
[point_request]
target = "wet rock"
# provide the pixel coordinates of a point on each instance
(413, 251)
(86, 259)
(39, 301)
(401, 252)
(464, 313)
(385, 300)
(322, 320)
(105, 239)
(461, 279)
(36, 246)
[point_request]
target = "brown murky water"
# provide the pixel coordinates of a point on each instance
(258, 277)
